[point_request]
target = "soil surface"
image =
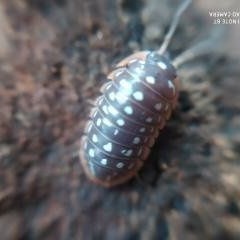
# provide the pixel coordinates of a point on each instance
(54, 56)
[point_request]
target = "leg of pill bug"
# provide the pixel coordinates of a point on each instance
(183, 6)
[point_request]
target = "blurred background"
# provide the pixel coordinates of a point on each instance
(54, 56)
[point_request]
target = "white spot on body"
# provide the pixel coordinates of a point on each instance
(121, 98)
(170, 85)
(116, 132)
(139, 69)
(138, 96)
(142, 62)
(162, 65)
(120, 122)
(142, 130)
(149, 119)
(127, 153)
(120, 165)
(112, 110)
(127, 87)
(99, 121)
(107, 122)
(112, 96)
(95, 138)
(104, 161)
(136, 140)
(150, 79)
(108, 147)
(104, 108)
(158, 106)
(124, 83)
(91, 152)
(128, 110)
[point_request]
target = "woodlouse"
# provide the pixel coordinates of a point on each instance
(127, 117)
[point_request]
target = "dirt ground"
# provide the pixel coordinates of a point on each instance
(54, 56)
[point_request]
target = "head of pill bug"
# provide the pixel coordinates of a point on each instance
(157, 68)
(167, 82)
(167, 67)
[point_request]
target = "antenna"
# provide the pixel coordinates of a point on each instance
(202, 48)
(183, 6)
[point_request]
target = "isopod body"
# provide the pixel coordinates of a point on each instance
(127, 117)
(134, 106)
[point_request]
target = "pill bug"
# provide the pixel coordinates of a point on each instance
(135, 104)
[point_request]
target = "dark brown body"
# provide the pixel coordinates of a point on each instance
(127, 117)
